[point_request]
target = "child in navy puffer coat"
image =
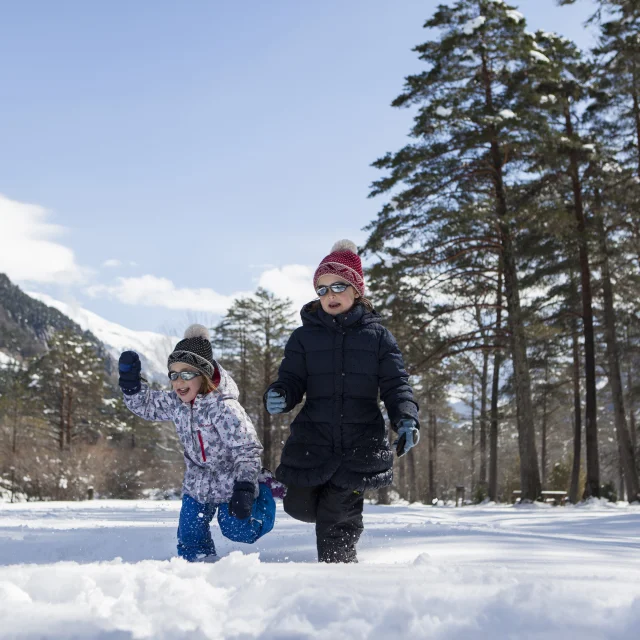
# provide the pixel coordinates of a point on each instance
(221, 448)
(341, 358)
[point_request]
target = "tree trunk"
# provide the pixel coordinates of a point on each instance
(630, 398)
(543, 460)
(432, 441)
(401, 483)
(529, 472)
(632, 418)
(495, 390)
(483, 419)
(61, 425)
(592, 486)
(473, 432)
(625, 447)
(412, 493)
(636, 117)
(577, 410)
(244, 369)
(267, 428)
(14, 430)
(69, 425)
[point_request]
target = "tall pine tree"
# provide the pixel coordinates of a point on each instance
(454, 187)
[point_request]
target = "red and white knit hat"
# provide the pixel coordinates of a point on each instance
(343, 261)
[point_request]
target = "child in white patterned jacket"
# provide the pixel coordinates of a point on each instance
(221, 447)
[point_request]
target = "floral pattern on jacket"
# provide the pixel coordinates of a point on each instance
(220, 443)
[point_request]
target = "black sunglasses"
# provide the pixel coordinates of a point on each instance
(185, 375)
(336, 287)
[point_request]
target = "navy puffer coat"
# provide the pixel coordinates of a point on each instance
(341, 363)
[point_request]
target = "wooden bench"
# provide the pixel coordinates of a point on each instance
(555, 497)
(550, 497)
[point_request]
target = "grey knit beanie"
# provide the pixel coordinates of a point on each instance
(195, 350)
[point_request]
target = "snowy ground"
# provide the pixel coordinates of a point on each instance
(105, 569)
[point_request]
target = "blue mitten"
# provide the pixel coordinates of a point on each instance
(129, 368)
(408, 436)
(275, 401)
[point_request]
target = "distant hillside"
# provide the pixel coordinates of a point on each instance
(27, 324)
(154, 348)
(28, 320)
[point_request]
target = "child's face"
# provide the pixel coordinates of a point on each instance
(187, 390)
(335, 303)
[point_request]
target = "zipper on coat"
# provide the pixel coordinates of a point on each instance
(204, 455)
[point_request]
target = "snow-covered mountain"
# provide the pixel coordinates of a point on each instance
(154, 348)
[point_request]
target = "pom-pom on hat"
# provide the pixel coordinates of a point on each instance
(343, 261)
(195, 350)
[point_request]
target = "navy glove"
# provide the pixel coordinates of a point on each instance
(242, 500)
(276, 401)
(408, 436)
(129, 368)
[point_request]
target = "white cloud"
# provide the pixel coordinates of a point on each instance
(151, 291)
(111, 264)
(28, 247)
(294, 281)
(290, 281)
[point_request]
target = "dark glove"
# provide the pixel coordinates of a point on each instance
(242, 500)
(129, 368)
(408, 436)
(276, 401)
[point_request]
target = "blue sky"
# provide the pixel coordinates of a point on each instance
(177, 153)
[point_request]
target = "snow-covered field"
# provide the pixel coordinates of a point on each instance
(105, 569)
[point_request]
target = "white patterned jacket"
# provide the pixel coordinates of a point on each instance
(220, 442)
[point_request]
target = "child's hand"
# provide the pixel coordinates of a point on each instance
(276, 401)
(242, 500)
(408, 436)
(129, 368)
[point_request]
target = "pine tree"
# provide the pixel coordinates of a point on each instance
(67, 387)
(453, 187)
(558, 85)
(252, 336)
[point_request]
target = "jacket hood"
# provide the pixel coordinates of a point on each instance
(227, 388)
(313, 313)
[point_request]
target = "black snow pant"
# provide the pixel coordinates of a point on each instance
(337, 514)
